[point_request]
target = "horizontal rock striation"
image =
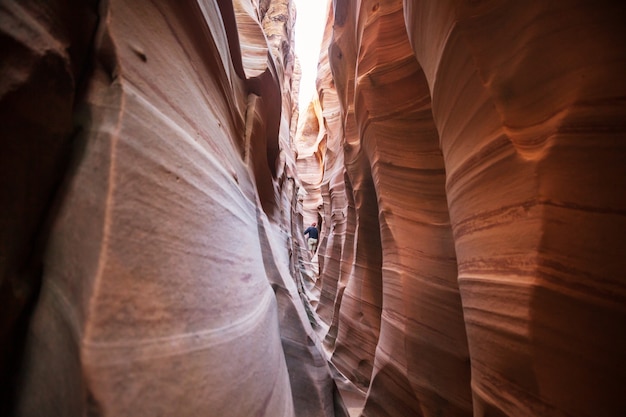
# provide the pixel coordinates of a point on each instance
(170, 278)
(478, 270)
(464, 162)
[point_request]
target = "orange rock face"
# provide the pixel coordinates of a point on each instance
(465, 162)
(471, 261)
(168, 273)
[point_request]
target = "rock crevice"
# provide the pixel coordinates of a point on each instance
(464, 162)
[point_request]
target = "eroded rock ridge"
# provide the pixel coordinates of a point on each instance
(149, 208)
(465, 163)
(472, 167)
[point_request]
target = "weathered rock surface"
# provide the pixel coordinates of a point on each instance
(465, 162)
(479, 267)
(41, 79)
(168, 271)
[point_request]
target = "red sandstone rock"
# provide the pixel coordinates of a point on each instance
(538, 268)
(487, 156)
(465, 159)
(356, 323)
(393, 156)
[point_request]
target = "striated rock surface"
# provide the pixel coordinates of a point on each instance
(422, 355)
(310, 143)
(169, 283)
(540, 269)
(464, 161)
(478, 269)
(44, 53)
(355, 325)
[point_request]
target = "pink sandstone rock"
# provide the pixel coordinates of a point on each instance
(424, 353)
(488, 138)
(168, 287)
(356, 323)
(465, 161)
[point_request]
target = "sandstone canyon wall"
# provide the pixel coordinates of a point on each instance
(473, 166)
(149, 199)
(465, 162)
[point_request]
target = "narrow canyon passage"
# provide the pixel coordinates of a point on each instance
(464, 163)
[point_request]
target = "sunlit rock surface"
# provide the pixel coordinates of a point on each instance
(479, 268)
(310, 143)
(169, 282)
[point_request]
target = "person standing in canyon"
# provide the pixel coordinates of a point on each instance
(313, 236)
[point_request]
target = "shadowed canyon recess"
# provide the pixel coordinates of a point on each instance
(464, 163)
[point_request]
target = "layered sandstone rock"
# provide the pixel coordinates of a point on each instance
(403, 283)
(310, 143)
(540, 269)
(484, 165)
(167, 286)
(464, 162)
(350, 261)
(44, 54)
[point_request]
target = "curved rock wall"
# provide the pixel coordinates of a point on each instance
(464, 161)
(422, 355)
(169, 282)
(357, 321)
(538, 266)
(479, 267)
(42, 79)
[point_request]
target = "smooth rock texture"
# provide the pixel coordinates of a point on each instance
(170, 281)
(422, 356)
(465, 163)
(44, 51)
(540, 269)
(479, 268)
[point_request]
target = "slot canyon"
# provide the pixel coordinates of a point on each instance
(464, 163)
